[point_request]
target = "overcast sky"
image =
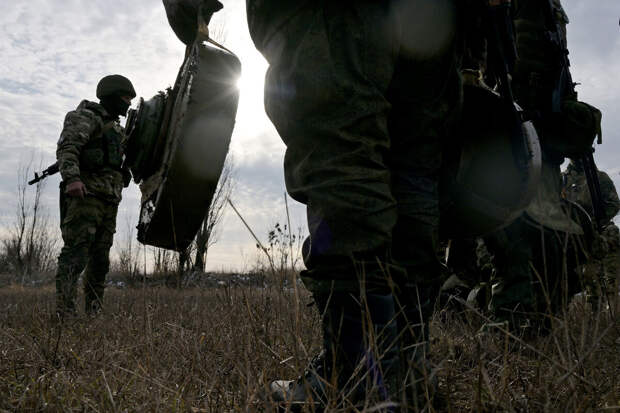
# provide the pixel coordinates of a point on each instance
(54, 52)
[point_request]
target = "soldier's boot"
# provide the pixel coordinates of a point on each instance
(92, 299)
(453, 294)
(66, 294)
(92, 304)
(360, 359)
(71, 263)
(65, 308)
(421, 382)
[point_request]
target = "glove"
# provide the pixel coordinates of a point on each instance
(183, 16)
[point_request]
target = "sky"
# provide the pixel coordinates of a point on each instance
(54, 52)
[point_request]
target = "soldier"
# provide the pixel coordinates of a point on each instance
(576, 190)
(363, 94)
(537, 239)
(602, 272)
(90, 156)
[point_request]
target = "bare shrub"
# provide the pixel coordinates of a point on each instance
(193, 259)
(208, 233)
(282, 254)
(30, 248)
(127, 265)
(162, 261)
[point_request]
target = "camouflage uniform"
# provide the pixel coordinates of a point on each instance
(602, 272)
(364, 126)
(90, 150)
(362, 94)
(576, 190)
(537, 238)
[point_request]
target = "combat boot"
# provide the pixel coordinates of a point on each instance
(92, 305)
(360, 360)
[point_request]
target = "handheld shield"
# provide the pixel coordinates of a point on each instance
(178, 142)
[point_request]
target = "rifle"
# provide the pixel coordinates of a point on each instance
(50, 170)
(565, 86)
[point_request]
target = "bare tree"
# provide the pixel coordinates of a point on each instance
(208, 233)
(31, 246)
(128, 252)
(162, 261)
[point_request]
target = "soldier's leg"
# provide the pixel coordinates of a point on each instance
(556, 256)
(465, 274)
(99, 262)
(512, 297)
(463, 260)
(600, 272)
(331, 67)
(78, 226)
(426, 95)
(611, 262)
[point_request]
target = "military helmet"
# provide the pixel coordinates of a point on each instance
(484, 184)
(115, 85)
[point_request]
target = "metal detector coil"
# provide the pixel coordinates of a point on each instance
(178, 142)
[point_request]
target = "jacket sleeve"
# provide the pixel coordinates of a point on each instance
(183, 16)
(79, 127)
(611, 203)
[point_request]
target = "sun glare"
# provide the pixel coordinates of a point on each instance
(251, 84)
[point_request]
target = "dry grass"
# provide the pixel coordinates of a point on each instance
(213, 350)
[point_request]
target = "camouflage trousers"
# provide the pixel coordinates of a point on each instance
(88, 227)
(602, 273)
(536, 270)
(363, 95)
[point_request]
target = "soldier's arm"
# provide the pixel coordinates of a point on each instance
(611, 203)
(78, 128)
(183, 16)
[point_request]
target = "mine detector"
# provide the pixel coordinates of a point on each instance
(177, 144)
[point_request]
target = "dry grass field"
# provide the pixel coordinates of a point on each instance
(157, 349)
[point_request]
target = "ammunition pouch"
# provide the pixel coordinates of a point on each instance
(103, 151)
(92, 159)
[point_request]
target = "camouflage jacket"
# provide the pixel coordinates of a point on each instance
(86, 123)
(536, 71)
(265, 17)
(576, 189)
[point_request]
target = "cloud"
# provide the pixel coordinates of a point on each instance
(55, 51)
(594, 43)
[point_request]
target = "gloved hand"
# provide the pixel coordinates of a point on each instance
(183, 16)
(76, 189)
